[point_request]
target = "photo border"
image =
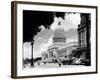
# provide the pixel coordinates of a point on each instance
(14, 38)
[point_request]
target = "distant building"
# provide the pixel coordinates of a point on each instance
(59, 40)
(60, 49)
(44, 55)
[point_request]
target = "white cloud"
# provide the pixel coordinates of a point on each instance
(43, 47)
(54, 24)
(39, 38)
(70, 21)
(42, 28)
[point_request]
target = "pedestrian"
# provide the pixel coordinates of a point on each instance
(59, 64)
(44, 62)
(38, 63)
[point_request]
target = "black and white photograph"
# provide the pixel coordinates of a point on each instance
(53, 39)
(56, 39)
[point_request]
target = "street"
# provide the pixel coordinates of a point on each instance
(51, 65)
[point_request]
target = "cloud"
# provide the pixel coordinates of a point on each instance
(42, 28)
(54, 25)
(43, 47)
(70, 21)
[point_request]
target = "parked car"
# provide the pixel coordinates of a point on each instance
(67, 61)
(78, 61)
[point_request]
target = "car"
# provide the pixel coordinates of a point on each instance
(78, 61)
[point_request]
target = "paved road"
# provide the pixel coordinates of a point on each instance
(51, 65)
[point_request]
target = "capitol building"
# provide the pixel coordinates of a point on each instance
(60, 49)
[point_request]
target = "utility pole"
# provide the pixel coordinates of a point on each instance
(32, 61)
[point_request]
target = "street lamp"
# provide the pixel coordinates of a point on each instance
(32, 62)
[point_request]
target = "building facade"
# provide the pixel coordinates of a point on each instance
(84, 37)
(60, 49)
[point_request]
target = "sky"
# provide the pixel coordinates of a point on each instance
(43, 38)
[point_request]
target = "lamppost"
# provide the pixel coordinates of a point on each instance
(32, 61)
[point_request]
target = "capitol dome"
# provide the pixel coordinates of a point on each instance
(59, 35)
